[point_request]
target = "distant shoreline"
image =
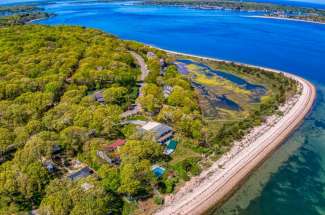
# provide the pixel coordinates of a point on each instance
(216, 184)
(288, 19)
(51, 15)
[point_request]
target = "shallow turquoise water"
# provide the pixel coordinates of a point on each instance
(292, 181)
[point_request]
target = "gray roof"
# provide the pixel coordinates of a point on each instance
(84, 172)
(162, 129)
(159, 130)
(99, 97)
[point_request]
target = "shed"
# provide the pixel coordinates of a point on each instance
(158, 170)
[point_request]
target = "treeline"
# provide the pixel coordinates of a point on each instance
(239, 5)
(17, 9)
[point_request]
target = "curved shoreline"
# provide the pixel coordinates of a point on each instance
(216, 184)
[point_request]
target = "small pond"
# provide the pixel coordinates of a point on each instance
(258, 90)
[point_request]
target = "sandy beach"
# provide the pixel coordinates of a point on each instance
(288, 19)
(217, 182)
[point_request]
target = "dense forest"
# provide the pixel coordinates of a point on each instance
(51, 121)
(48, 79)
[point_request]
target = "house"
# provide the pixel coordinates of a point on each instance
(171, 146)
(99, 97)
(167, 90)
(82, 173)
(162, 132)
(49, 165)
(158, 171)
(118, 143)
(151, 55)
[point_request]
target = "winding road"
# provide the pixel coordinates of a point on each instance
(144, 73)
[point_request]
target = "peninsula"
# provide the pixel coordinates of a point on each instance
(92, 124)
(19, 15)
(217, 183)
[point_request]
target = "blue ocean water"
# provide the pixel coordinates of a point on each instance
(228, 35)
(292, 181)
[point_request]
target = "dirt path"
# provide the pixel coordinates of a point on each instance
(142, 64)
(144, 73)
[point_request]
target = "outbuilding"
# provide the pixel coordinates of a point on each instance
(158, 171)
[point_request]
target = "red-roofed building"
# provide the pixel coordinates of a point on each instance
(115, 145)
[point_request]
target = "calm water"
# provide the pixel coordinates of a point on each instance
(292, 181)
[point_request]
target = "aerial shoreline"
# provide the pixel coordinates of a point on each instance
(216, 113)
(286, 19)
(215, 184)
